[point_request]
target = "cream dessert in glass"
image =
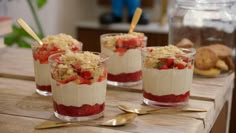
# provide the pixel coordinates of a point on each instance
(79, 81)
(51, 45)
(167, 75)
(124, 51)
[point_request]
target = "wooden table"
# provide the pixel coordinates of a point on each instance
(21, 108)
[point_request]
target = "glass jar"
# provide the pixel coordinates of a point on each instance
(209, 24)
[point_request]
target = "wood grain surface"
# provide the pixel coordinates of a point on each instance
(21, 108)
(16, 63)
(18, 98)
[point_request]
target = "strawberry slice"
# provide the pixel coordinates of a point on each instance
(84, 81)
(132, 43)
(102, 76)
(180, 66)
(170, 62)
(119, 43)
(163, 60)
(86, 74)
(121, 51)
(75, 48)
(100, 79)
(43, 57)
(167, 61)
(163, 67)
(44, 47)
(67, 80)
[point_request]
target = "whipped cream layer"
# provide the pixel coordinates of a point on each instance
(166, 82)
(72, 94)
(130, 62)
(42, 73)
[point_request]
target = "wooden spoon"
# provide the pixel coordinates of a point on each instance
(160, 110)
(135, 19)
(26, 27)
(118, 120)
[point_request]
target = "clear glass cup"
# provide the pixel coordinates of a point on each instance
(41, 66)
(167, 77)
(78, 85)
(209, 24)
(124, 51)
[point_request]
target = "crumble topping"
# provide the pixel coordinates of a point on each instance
(84, 67)
(110, 42)
(166, 57)
(62, 41)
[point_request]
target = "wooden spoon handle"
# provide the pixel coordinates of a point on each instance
(26, 27)
(172, 110)
(47, 125)
(135, 19)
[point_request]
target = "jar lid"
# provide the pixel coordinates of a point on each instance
(205, 4)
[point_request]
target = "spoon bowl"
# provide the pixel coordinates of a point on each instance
(160, 110)
(118, 120)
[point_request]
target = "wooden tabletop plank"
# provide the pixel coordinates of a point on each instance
(13, 124)
(16, 63)
(19, 98)
(11, 69)
(218, 81)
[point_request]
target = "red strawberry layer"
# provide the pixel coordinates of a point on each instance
(45, 51)
(167, 98)
(83, 77)
(44, 88)
(125, 77)
(122, 45)
(73, 111)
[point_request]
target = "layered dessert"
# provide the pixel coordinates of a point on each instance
(78, 85)
(124, 50)
(167, 75)
(51, 45)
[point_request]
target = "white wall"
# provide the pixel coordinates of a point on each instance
(52, 16)
(60, 16)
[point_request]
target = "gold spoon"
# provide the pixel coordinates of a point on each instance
(26, 27)
(135, 19)
(118, 120)
(161, 110)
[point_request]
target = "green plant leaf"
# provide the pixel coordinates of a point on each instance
(18, 37)
(23, 44)
(22, 32)
(10, 39)
(41, 3)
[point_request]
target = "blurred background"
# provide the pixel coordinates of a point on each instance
(63, 16)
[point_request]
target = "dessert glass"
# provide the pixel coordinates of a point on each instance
(79, 81)
(51, 45)
(167, 75)
(124, 52)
